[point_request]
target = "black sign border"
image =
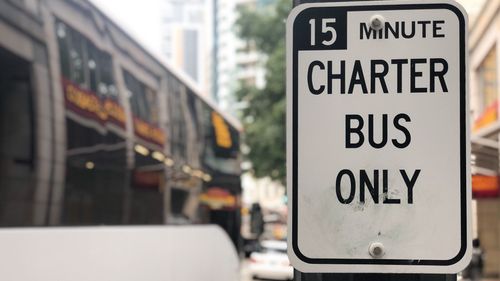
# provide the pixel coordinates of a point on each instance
(463, 146)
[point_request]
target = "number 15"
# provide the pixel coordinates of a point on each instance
(325, 28)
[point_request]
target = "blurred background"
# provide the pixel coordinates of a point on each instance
(172, 112)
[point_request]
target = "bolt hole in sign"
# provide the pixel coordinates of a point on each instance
(378, 137)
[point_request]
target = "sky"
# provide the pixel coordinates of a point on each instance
(141, 19)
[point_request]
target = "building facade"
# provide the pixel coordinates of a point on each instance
(187, 39)
(224, 52)
(484, 63)
(235, 61)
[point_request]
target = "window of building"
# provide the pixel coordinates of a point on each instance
(62, 40)
(143, 100)
(77, 59)
(106, 82)
(178, 133)
(95, 166)
(93, 58)
(84, 64)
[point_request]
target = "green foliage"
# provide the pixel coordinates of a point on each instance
(264, 116)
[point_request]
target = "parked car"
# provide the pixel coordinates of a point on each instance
(250, 246)
(271, 262)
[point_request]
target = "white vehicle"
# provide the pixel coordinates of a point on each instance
(272, 262)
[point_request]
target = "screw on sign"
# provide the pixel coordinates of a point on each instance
(377, 137)
(377, 22)
(376, 250)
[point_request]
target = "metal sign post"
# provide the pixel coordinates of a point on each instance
(377, 140)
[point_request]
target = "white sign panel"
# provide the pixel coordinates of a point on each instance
(378, 137)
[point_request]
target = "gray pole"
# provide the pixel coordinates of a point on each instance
(299, 276)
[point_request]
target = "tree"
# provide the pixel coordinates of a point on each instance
(264, 114)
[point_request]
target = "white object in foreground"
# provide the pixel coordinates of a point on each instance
(120, 253)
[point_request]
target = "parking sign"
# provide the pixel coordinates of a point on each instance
(378, 137)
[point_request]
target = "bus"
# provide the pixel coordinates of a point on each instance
(96, 130)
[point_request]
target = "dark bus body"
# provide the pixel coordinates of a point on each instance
(94, 130)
